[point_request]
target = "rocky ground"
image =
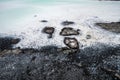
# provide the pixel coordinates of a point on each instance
(97, 62)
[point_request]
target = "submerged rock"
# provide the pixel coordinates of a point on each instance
(88, 36)
(35, 15)
(48, 30)
(71, 43)
(67, 31)
(65, 23)
(44, 21)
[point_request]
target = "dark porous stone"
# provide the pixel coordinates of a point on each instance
(71, 43)
(68, 31)
(65, 23)
(44, 21)
(48, 30)
(8, 42)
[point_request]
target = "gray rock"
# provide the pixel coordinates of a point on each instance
(71, 43)
(48, 30)
(68, 31)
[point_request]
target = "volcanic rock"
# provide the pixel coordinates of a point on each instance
(71, 43)
(67, 31)
(48, 30)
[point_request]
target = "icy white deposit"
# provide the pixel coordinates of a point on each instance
(27, 25)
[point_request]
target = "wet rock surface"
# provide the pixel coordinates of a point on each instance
(98, 62)
(71, 42)
(48, 30)
(65, 23)
(68, 31)
(112, 27)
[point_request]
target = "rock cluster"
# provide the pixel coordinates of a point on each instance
(71, 43)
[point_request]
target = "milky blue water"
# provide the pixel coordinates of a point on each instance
(14, 13)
